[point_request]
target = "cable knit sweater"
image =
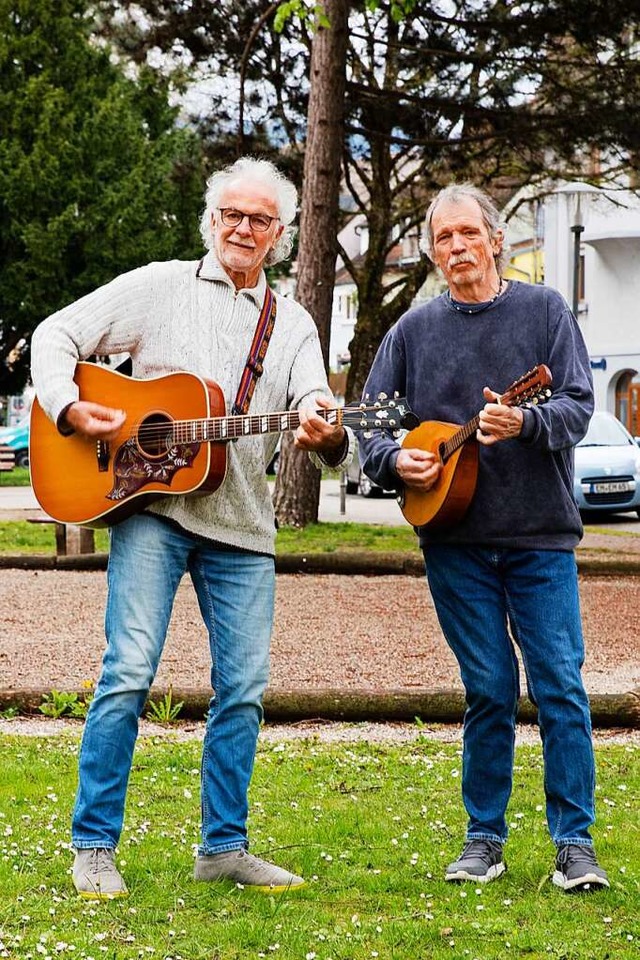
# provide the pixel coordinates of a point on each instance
(169, 319)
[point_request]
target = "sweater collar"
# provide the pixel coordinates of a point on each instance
(212, 270)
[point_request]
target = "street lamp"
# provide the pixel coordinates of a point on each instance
(577, 229)
(576, 194)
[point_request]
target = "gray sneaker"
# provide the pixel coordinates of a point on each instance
(577, 869)
(249, 871)
(95, 875)
(480, 861)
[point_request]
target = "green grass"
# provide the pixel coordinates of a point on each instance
(18, 477)
(371, 828)
(347, 537)
(20, 536)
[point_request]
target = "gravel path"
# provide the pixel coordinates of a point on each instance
(330, 631)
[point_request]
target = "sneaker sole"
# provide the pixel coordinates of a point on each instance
(492, 874)
(284, 888)
(90, 895)
(252, 887)
(586, 883)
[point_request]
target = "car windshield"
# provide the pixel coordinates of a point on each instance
(605, 432)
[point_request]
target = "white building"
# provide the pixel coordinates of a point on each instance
(605, 244)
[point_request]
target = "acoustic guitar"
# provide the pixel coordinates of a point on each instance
(447, 502)
(173, 442)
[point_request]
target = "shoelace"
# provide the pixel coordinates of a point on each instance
(574, 853)
(255, 864)
(482, 849)
(101, 860)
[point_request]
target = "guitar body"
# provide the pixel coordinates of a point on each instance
(446, 502)
(98, 484)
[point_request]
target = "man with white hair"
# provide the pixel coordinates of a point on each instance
(501, 572)
(201, 317)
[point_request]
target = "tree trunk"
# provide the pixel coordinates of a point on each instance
(297, 492)
(375, 318)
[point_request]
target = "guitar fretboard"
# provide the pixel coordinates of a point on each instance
(229, 428)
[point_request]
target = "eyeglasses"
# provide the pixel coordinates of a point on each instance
(259, 222)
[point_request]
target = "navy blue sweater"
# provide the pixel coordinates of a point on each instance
(441, 358)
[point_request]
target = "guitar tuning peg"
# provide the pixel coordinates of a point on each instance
(367, 396)
(383, 396)
(367, 434)
(396, 433)
(396, 394)
(391, 421)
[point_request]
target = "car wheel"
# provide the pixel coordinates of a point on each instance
(366, 488)
(273, 466)
(22, 458)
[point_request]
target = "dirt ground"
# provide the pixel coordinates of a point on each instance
(376, 632)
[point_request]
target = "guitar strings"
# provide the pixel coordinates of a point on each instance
(348, 417)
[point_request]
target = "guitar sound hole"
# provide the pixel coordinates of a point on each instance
(155, 435)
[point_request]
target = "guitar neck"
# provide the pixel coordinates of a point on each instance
(232, 427)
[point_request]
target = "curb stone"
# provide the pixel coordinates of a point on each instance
(362, 563)
(356, 705)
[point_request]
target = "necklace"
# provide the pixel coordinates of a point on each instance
(476, 307)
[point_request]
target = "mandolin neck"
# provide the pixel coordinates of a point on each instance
(459, 437)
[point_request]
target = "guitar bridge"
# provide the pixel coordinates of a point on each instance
(103, 455)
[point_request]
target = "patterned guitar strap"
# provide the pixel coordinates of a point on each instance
(254, 366)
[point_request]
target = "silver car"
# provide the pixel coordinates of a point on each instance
(607, 467)
(359, 482)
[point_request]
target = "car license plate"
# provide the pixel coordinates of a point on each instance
(612, 486)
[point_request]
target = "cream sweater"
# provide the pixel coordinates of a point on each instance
(168, 319)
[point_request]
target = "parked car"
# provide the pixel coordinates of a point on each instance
(359, 482)
(272, 468)
(607, 467)
(17, 438)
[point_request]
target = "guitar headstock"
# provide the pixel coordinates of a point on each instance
(385, 413)
(534, 387)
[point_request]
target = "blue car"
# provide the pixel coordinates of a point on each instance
(17, 438)
(607, 468)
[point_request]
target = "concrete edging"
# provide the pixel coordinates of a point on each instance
(357, 705)
(340, 564)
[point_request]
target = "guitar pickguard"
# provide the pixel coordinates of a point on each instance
(132, 470)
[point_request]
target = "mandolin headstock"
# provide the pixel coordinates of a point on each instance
(531, 389)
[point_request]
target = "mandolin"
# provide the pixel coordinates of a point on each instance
(174, 442)
(447, 502)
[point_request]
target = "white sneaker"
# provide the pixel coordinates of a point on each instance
(95, 875)
(249, 871)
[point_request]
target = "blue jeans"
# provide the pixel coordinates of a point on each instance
(480, 595)
(236, 596)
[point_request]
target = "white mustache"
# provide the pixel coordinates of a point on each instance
(463, 258)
